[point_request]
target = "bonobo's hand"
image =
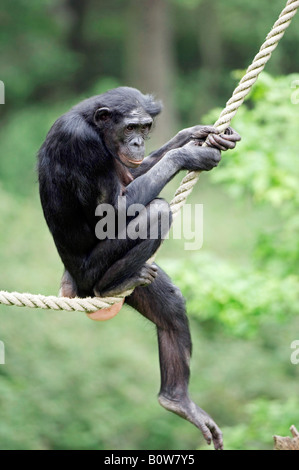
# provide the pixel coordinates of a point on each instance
(201, 158)
(195, 132)
(226, 141)
(200, 134)
(194, 157)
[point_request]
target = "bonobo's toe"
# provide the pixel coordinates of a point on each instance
(148, 274)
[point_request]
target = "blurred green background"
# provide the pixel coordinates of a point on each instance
(70, 383)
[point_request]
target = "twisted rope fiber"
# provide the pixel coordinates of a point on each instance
(93, 304)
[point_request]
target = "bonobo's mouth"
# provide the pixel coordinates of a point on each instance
(136, 162)
(130, 162)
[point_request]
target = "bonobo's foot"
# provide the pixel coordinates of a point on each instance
(145, 276)
(188, 410)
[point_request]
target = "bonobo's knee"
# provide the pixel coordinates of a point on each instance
(160, 218)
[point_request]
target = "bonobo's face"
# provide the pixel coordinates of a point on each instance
(124, 136)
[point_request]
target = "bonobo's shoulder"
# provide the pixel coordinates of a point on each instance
(72, 125)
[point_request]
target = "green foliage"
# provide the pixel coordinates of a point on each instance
(263, 417)
(188, 4)
(268, 126)
(233, 299)
(265, 166)
(35, 55)
(21, 138)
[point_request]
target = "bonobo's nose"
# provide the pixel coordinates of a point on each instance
(137, 142)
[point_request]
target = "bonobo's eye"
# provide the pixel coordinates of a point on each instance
(146, 127)
(129, 128)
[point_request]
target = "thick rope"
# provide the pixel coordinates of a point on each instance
(89, 305)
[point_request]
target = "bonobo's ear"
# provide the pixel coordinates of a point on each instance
(102, 114)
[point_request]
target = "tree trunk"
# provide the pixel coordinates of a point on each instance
(210, 49)
(149, 58)
(77, 11)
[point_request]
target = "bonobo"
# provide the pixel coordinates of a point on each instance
(93, 155)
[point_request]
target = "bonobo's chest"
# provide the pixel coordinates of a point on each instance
(124, 176)
(113, 185)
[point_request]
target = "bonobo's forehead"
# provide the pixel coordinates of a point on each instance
(138, 115)
(136, 112)
(126, 100)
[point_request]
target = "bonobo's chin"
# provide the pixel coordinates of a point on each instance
(134, 163)
(131, 162)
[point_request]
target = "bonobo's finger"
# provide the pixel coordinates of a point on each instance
(144, 281)
(212, 142)
(228, 131)
(200, 132)
(210, 429)
(231, 138)
(152, 275)
(216, 435)
(231, 134)
(147, 276)
(206, 433)
(225, 143)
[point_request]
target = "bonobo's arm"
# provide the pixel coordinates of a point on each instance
(191, 156)
(180, 139)
(200, 133)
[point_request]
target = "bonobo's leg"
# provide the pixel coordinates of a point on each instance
(122, 261)
(131, 269)
(163, 304)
